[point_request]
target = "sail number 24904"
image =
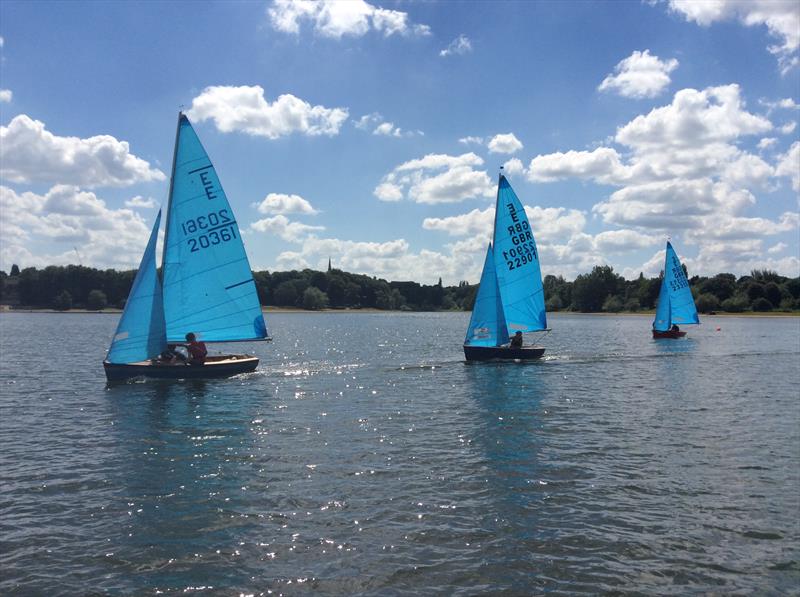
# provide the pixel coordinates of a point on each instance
(215, 228)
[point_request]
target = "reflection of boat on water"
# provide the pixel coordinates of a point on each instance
(208, 287)
(675, 300)
(510, 296)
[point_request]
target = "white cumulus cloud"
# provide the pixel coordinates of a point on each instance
(715, 114)
(782, 19)
(245, 109)
(513, 167)
(436, 178)
(284, 228)
(603, 164)
(6, 96)
(789, 165)
(640, 75)
(504, 143)
(336, 19)
(64, 217)
(681, 168)
(278, 203)
(548, 223)
(29, 153)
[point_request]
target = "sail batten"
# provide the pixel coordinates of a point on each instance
(206, 270)
(675, 300)
(141, 331)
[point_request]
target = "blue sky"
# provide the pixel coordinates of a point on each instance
(372, 133)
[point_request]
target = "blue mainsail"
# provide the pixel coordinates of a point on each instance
(141, 332)
(516, 260)
(487, 327)
(675, 300)
(208, 285)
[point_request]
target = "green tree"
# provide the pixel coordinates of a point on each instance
(286, 294)
(612, 304)
(96, 300)
(792, 286)
(632, 304)
(589, 291)
(772, 293)
(336, 290)
(736, 304)
(314, 299)
(62, 301)
(721, 286)
(707, 302)
(320, 280)
(761, 304)
(352, 295)
(766, 275)
(754, 290)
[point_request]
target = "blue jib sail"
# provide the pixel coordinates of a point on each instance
(141, 333)
(487, 327)
(208, 285)
(675, 300)
(516, 259)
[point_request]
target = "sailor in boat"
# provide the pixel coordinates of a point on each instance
(192, 353)
(516, 341)
(172, 355)
(674, 328)
(197, 350)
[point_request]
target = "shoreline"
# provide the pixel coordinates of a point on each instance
(296, 310)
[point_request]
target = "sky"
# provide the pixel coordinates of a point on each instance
(372, 133)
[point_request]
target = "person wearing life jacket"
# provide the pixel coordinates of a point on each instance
(516, 340)
(197, 350)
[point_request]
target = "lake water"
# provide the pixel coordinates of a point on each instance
(366, 457)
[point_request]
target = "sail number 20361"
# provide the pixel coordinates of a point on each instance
(215, 228)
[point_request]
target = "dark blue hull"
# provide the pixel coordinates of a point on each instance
(490, 353)
(224, 366)
(668, 334)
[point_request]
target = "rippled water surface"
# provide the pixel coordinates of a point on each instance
(366, 457)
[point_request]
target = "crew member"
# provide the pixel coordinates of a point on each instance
(197, 350)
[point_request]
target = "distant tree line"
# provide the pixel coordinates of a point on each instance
(601, 290)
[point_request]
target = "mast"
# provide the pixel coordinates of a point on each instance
(169, 197)
(496, 207)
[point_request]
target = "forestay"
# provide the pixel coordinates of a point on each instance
(516, 259)
(208, 285)
(141, 332)
(675, 300)
(487, 327)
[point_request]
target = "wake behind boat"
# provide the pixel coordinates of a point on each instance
(510, 295)
(675, 300)
(208, 287)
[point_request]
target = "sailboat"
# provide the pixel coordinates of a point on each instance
(675, 300)
(207, 289)
(510, 296)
